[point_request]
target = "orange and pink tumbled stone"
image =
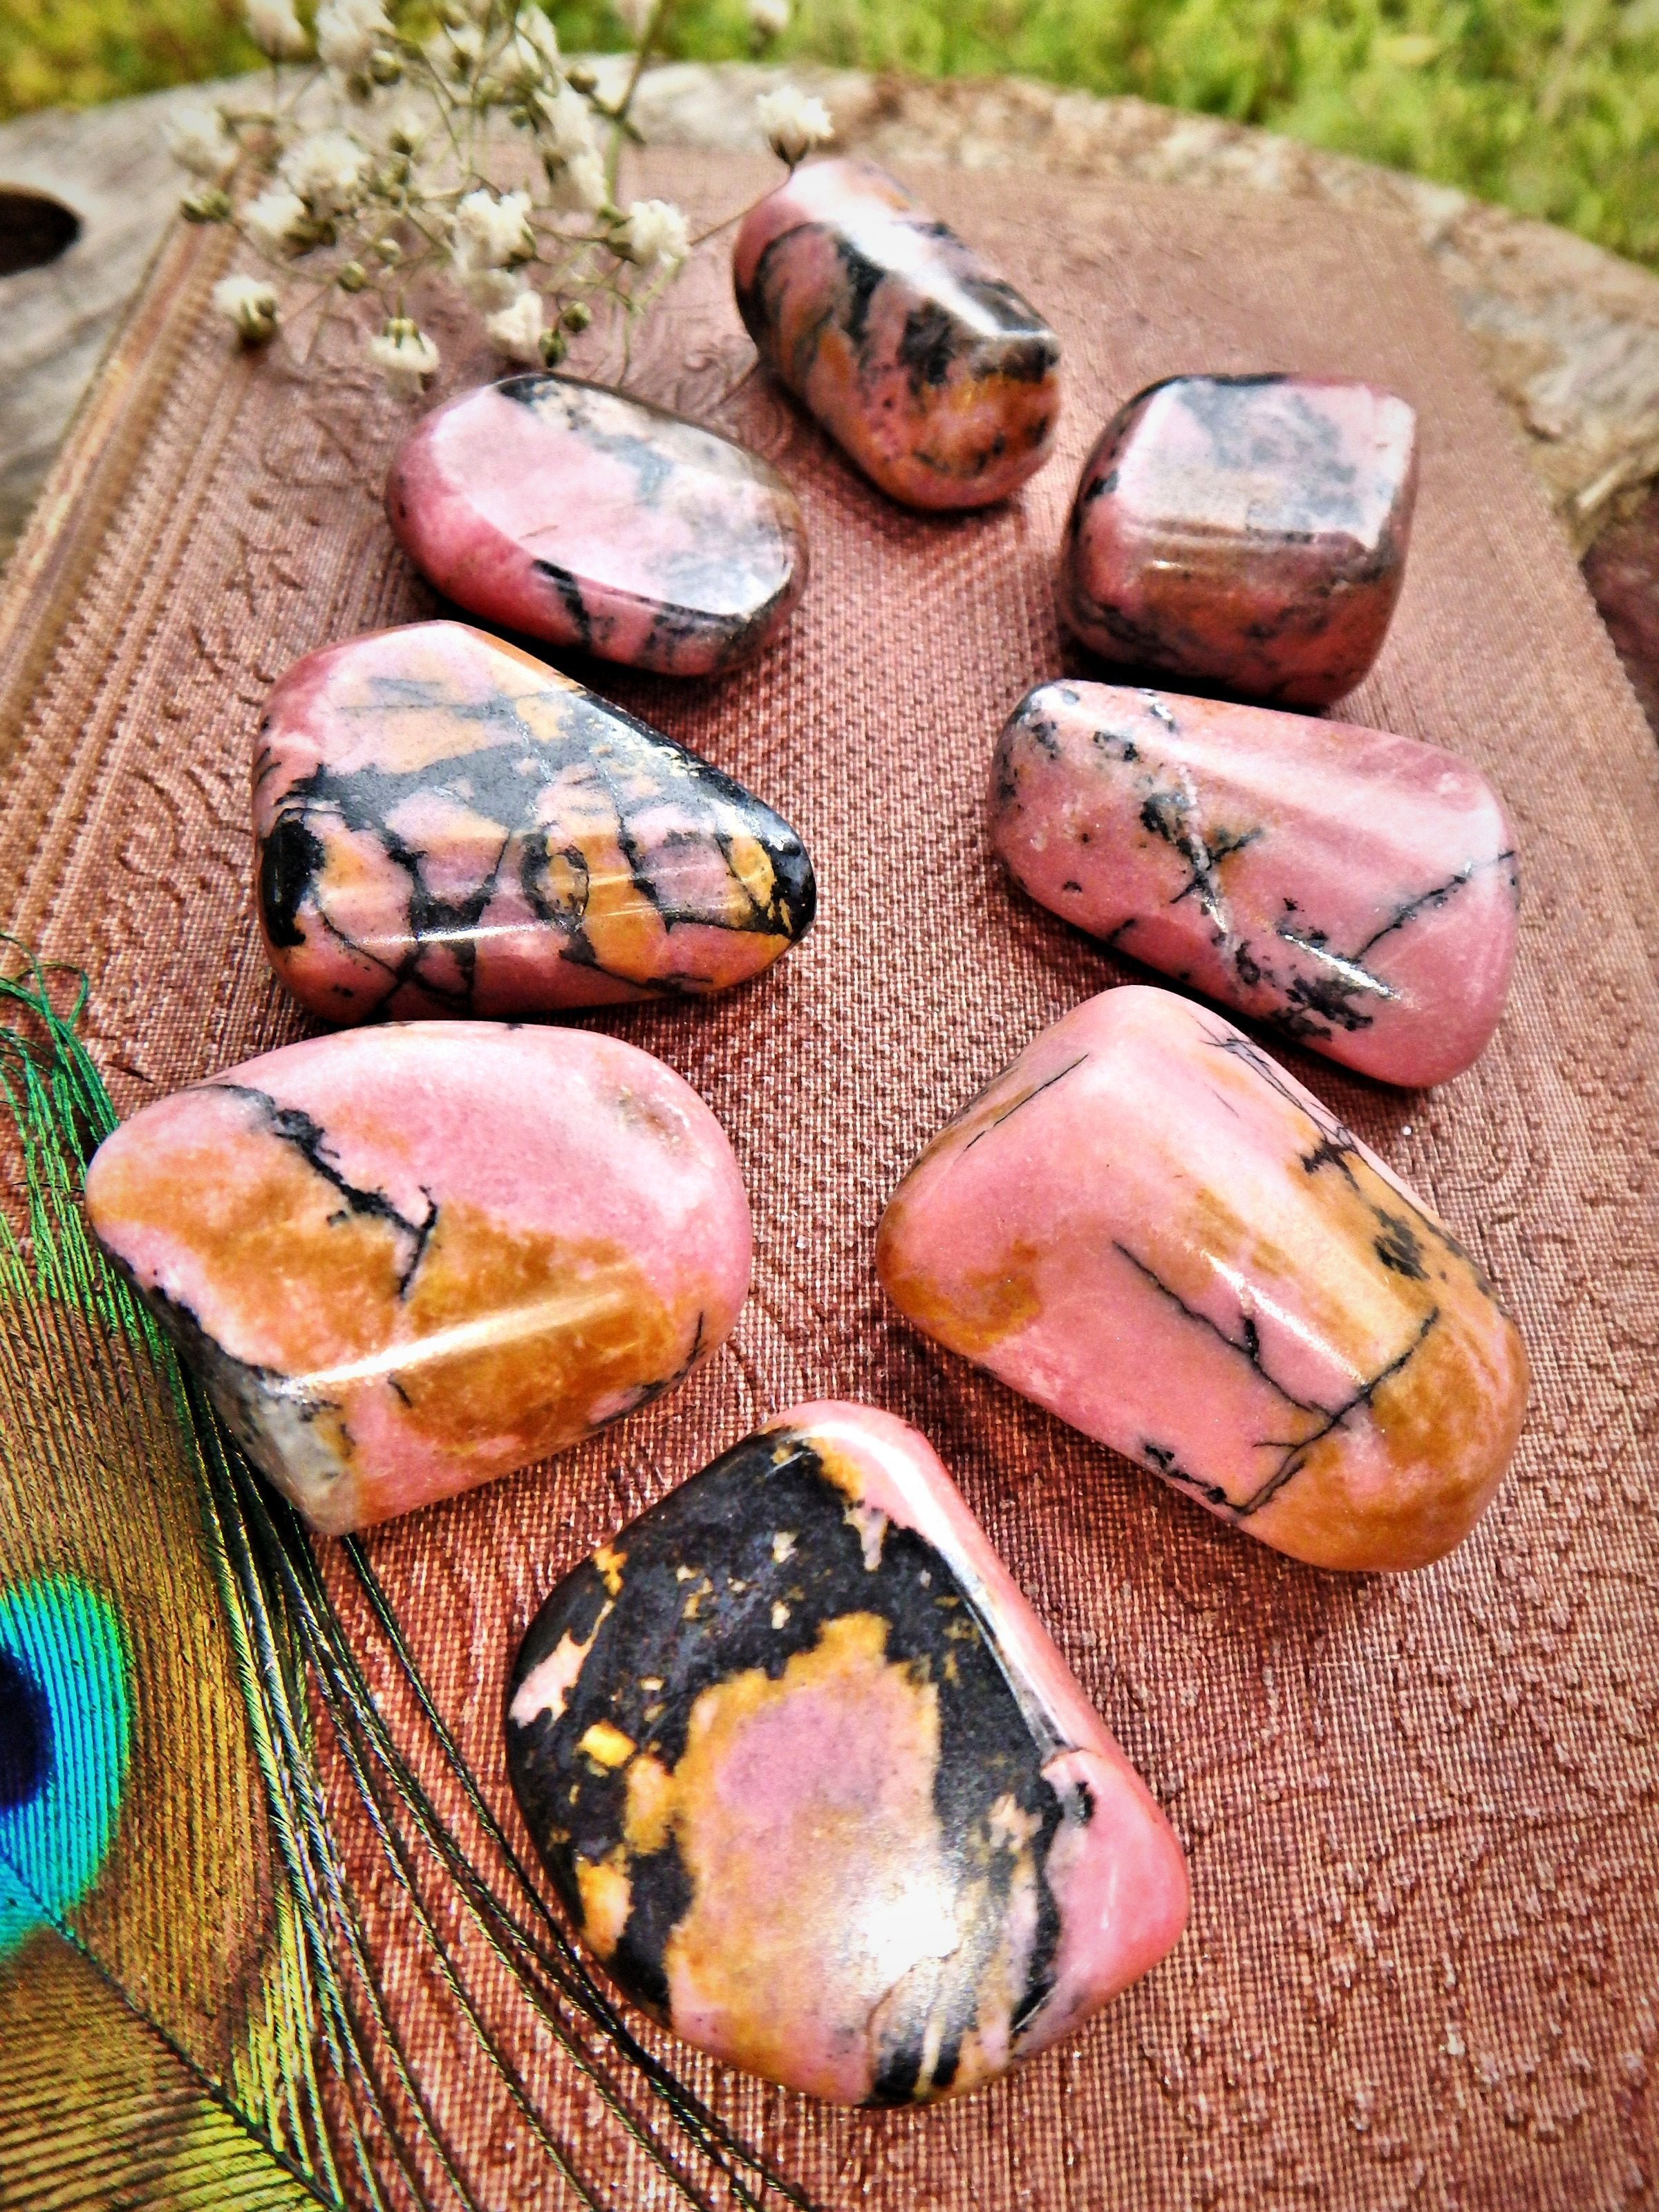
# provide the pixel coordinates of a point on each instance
(928, 369)
(1149, 1227)
(444, 826)
(817, 1788)
(1245, 531)
(1357, 890)
(407, 1260)
(596, 521)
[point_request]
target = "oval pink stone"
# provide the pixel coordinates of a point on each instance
(1357, 890)
(407, 1260)
(1149, 1227)
(594, 520)
(932, 371)
(817, 1786)
(1249, 531)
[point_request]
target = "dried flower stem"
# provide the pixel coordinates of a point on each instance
(474, 151)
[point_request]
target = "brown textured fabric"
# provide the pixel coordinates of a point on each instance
(1423, 1967)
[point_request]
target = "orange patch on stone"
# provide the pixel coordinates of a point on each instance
(809, 1906)
(506, 1345)
(979, 1308)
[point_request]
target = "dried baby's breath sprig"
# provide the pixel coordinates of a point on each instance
(794, 122)
(473, 151)
(250, 304)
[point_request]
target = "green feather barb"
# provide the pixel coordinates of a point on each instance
(204, 1807)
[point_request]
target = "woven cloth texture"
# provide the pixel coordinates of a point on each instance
(1423, 1966)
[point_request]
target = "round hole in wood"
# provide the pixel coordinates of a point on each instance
(35, 228)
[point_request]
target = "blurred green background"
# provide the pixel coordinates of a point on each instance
(1551, 107)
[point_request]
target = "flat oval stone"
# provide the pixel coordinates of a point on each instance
(1249, 531)
(578, 514)
(816, 1787)
(1357, 890)
(406, 1259)
(931, 371)
(444, 826)
(1147, 1226)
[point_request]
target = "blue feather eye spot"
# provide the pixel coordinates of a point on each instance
(65, 1739)
(25, 1735)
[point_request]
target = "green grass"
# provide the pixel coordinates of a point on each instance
(1551, 107)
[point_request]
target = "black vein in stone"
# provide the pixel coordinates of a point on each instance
(1249, 1344)
(1008, 1112)
(1296, 1453)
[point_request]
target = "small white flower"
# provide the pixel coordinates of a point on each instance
(769, 17)
(454, 52)
(349, 31)
(568, 125)
(405, 357)
(582, 187)
(794, 122)
(407, 127)
(275, 29)
(520, 64)
(534, 27)
(490, 290)
(655, 232)
(328, 172)
(493, 232)
(517, 331)
(633, 15)
(197, 140)
(276, 220)
(250, 304)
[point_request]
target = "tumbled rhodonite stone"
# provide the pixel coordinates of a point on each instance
(817, 1788)
(575, 514)
(406, 1260)
(933, 373)
(1249, 531)
(1147, 1225)
(1357, 890)
(443, 825)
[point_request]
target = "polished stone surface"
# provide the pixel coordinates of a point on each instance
(932, 371)
(1248, 531)
(1147, 1225)
(817, 1786)
(444, 826)
(595, 521)
(1359, 892)
(406, 1260)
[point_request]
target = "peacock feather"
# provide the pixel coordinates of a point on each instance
(193, 1763)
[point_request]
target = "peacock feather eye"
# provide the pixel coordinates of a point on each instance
(65, 1734)
(25, 1736)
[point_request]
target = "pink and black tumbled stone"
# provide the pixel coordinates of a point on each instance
(816, 1787)
(443, 824)
(1244, 532)
(929, 370)
(1356, 891)
(596, 521)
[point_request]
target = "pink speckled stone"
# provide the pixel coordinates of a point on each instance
(444, 826)
(406, 1259)
(1248, 531)
(1149, 1228)
(1357, 890)
(818, 1789)
(933, 373)
(577, 514)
